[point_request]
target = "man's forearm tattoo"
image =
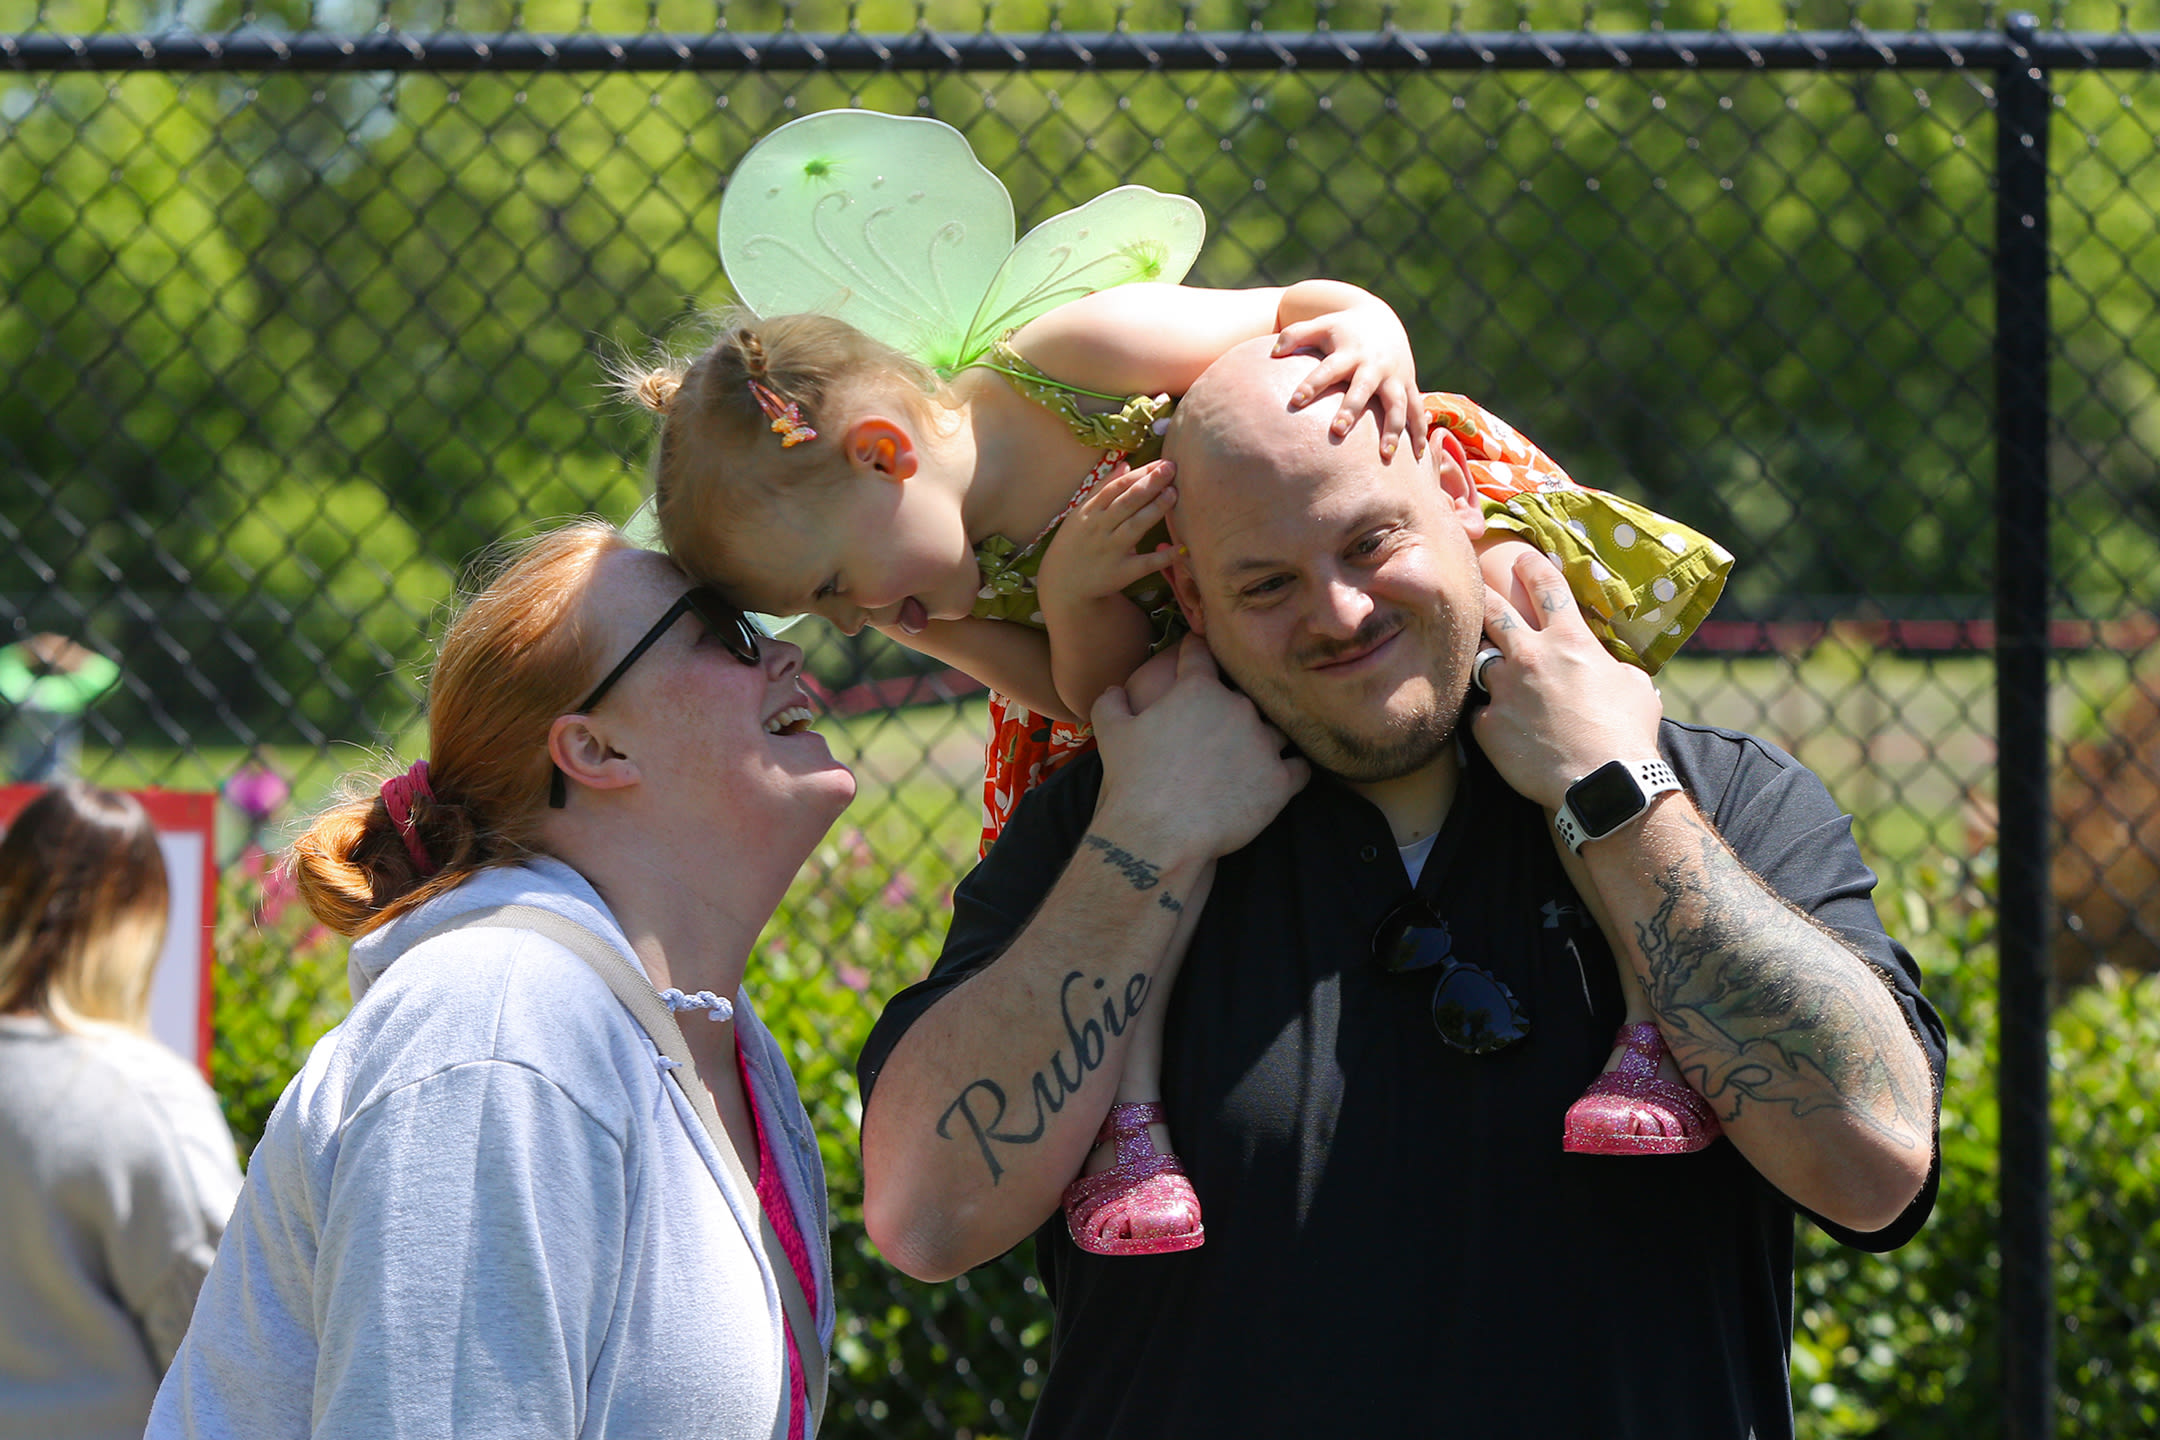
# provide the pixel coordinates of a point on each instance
(981, 1104)
(1140, 874)
(1762, 1007)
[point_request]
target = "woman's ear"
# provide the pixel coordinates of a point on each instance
(583, 755)
(880, 445)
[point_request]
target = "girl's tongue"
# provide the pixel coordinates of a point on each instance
(912, 616)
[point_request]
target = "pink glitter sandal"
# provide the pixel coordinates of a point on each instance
(1629, 1110)
(1142, 1205)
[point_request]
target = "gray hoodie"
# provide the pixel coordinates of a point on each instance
(480, 1210)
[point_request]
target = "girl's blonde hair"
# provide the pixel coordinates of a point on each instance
(515, 658)
(719, 466)
(82, 908)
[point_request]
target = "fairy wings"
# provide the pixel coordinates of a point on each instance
(890, 223)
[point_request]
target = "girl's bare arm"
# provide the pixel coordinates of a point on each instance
(1098, 637)
(1157, 339)
(1013, 660)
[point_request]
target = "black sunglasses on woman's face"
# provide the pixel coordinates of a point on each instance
(721, 620)
(1471, 1009)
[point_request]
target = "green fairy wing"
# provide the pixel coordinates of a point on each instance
(890, 223)
(1124, 235)
(885, 221)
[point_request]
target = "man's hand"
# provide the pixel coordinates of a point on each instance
(1562, 705)
(1776, 1021)
(986, 1108)
(1201, 772)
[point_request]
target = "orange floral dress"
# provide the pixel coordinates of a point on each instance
(1026, 748)
(1644, 581)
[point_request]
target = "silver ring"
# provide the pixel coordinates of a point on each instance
(1484, 658)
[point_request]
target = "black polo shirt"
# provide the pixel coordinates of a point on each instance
(1396, 1242)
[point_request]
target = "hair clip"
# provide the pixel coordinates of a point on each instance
(786, 415)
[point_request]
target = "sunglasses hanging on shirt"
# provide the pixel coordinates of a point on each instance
(1471, 1008)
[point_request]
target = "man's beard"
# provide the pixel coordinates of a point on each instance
(1396, 746)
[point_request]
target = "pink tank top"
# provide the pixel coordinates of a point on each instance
(773, 1198)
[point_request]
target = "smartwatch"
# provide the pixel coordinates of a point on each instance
(1610, 796)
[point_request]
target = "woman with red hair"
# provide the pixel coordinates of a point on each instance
(512, 1193)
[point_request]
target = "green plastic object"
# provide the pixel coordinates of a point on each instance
(890, 223)
(68, 693)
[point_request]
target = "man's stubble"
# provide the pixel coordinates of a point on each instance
(1393, 746)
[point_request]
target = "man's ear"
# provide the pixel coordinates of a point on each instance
(1451, 467)
(583, 754)
(1187, 590)
(880, 445)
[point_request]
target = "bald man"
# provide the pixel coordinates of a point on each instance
(1396, 1242)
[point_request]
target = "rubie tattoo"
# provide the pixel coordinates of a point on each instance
(981, 1104)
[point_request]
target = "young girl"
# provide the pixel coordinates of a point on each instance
(1008, 523)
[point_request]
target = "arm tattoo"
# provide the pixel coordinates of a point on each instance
(1763, 1006)
(981, 1103)
(1140, 874)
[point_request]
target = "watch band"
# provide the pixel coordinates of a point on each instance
(1609, 797)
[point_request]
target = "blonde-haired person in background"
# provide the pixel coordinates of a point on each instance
(116, 1169)
(493, 1202)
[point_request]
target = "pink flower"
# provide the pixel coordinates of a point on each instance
(257, 791)
(898, 892)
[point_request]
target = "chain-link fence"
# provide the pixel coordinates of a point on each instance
(304, 306)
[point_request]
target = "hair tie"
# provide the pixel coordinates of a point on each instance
(398, 794)
(786, 415)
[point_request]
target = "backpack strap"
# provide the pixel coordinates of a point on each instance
(645, 1006)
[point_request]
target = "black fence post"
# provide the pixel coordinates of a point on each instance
(2022, 605)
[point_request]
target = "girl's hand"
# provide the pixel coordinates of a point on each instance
(1093, 555)
(1366, 346)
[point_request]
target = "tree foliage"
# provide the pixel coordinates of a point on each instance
(285, 349)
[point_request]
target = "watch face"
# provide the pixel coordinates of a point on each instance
(1606, 799)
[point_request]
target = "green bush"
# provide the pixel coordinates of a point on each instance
(1908, 1344)
(1901, 1345)
(961, 1359)
(279, 984)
